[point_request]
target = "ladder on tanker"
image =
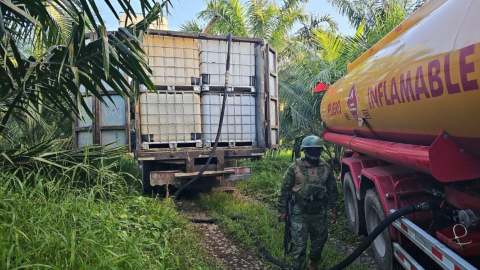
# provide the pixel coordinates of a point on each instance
(437, 251)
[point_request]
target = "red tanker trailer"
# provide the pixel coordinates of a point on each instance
(408, 111)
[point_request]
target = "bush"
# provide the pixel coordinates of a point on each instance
(267, 176)
(128, 169)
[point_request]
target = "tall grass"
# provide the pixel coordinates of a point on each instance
(54, 223)
(267, 176)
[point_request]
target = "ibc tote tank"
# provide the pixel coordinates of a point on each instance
(174, 60)
(160, 24)
(423, 82)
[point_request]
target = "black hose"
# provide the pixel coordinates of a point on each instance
(264, 252)
(207, 221)
(220, 124)
(379, 229)
(213, 220)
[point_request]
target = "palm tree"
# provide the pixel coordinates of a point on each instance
(369, 12)
(313, 22)
(254, 18)
(304, 65)
(60, 61)
(47, 53)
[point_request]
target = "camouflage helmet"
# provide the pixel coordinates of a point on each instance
(311, 141)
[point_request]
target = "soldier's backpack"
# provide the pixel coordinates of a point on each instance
(311, 194)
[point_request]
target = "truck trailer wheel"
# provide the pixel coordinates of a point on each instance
(382, 246)
(353, 207)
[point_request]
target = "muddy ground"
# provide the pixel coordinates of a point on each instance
(228, 254)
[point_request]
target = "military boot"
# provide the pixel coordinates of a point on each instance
(312, 265)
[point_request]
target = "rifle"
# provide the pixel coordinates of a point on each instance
(287, 236)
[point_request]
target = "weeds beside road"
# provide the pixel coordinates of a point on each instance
(53, 225)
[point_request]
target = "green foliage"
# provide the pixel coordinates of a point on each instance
(368, 12)
(191, 26)
(54, 224)
(232, 16)
(46, 58)
(265, 19)
(126, 166)
(262, 222)
(81, 167)
(267, 177)
(66, 208)
(45, 62)
(318, 53)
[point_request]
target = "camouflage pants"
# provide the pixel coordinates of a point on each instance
(303, 225)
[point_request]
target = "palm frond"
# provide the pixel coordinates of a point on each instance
(263, 15)
(56, 74)
(191, 26)
(231, 17)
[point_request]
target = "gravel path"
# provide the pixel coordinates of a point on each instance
(229, 255)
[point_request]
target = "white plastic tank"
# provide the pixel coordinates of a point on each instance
(85, 137)
(213, 56)
(168, 119)
(173, 60)
(239, 120)
(160, 24)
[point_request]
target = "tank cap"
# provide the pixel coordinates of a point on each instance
(361, 122)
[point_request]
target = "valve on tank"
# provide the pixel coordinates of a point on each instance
(469, 218)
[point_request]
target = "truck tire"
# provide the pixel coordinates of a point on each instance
(354, 208)
(147, 167)
(382, 246)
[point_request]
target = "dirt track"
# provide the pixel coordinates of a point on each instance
(229, 255)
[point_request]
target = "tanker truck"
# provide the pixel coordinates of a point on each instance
(407, 112)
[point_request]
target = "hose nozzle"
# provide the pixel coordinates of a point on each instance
(426, 206)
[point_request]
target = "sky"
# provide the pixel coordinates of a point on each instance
(185, 10)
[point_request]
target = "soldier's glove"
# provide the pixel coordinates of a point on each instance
(333, 217)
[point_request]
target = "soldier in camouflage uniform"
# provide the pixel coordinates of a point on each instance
(311, 184)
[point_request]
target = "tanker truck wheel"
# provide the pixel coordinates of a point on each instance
(353, 207)
(382, 246)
